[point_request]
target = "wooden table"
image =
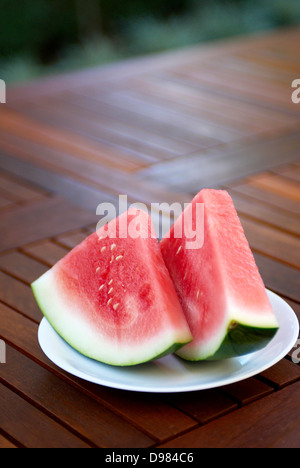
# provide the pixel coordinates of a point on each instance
(158, 129)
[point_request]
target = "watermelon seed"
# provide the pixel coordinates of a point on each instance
(103, 249)
(110, 291)
(110, 283)
(110, 300)
(101, 287)
(179, 250)
(116, 306)
(98, 269)
(112, 259)
(119, 258)
(113, 247)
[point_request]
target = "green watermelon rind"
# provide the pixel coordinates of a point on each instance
(239, 340)
(168, 345)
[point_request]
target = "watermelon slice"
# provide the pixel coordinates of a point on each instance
(112, 299)
(221, 291)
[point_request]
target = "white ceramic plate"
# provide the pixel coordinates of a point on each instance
(171, 374)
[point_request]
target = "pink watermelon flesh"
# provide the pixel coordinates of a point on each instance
(112, 298)
(220, 288)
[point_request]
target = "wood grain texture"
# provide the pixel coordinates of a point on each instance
(75, 410)
(218, 166)
(40, 220)
(157, 129)
(5, 443)
(21, 266)
(268, 423)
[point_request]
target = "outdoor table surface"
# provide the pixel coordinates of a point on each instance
(159, 129)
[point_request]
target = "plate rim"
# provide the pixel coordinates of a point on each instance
(168, 389)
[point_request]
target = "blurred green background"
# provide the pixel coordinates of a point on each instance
(40, 37)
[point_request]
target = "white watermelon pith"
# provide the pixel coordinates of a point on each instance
(112, 299)
(219, 286)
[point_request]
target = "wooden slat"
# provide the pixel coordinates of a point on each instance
(221, 109)
(46, 252)
(282, 374)
(152, 415)
(21, 266)
(267, 88)
(276, 59)
(40, 220)
(280, 185)
(204, 406)
(75, 410)
(291, 172)
(266, 424)
(239, 84)
(145, 145)
(17, 190)
(274, 243)
(158, 129)
(266, 213)
(72, 239)
(13, 123)
(19, 296)
(32, 428)
(78, 193)
(21, 332)
(145, 107)
(253, 191)
(73, 176)
(5, 443)
(180, 136)
(279, 277)
(295, 306)
(218, 166)
(247, 391)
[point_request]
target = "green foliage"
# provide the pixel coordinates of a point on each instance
(36, 26)
(39, 37)
(207, 21)
(20, 68)
(90, 53)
